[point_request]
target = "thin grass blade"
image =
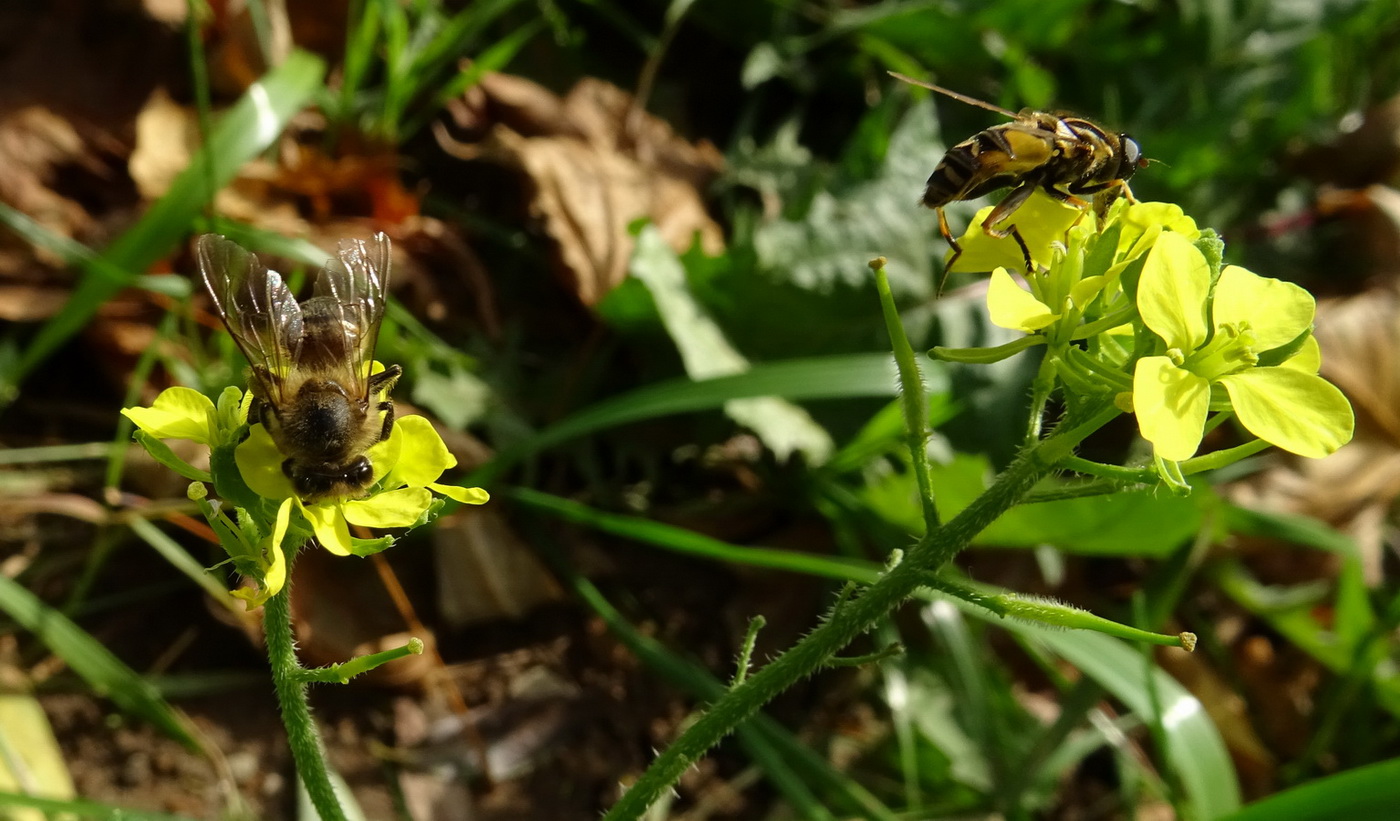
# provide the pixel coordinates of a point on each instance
(97, 666)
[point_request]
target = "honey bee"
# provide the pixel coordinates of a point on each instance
(310, 362)
(1063, 155)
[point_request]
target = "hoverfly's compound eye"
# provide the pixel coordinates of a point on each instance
(1132, 157)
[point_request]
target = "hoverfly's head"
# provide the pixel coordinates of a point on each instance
(1132, 158)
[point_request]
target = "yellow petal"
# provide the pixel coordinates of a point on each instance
(260, 462)
(1171, 405)
(1308, 359)
(1299, 412)
(1012, 307)
(177, 413)
(1172, 292)
(465, 495)
(1041, 222)
(1276, 311)
(328, 522)
(394, 508)
(423, 456)
(273, 560)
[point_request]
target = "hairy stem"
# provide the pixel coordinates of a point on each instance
(288, 678)
(851, 619)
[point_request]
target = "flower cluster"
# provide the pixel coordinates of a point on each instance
(246, 469)
(1138, 310)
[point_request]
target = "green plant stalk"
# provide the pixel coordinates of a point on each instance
(288, 678)
(850, 620)
(913, 396)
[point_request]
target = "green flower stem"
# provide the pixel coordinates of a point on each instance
(1128, 476)
(287, 677)
(985, 356)
(913, 395)
(1046, 611)
(1079, 490)
(1221, 458)
(1119, 317)
(346, 670)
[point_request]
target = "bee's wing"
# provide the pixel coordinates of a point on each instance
(257, 308)
(354, 288)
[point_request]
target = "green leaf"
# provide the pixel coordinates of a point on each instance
(783, 427)
(102, 671)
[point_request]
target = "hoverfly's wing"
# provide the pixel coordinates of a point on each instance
(350, 292)
(257, 308)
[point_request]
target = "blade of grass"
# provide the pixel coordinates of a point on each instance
(1365, 792)
(494, 58)
(67, 808)
(181, 560)
(826, 377)
(102, 670)
(678, 540)
(242, 133)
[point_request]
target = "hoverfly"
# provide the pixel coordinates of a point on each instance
(310, 362)
(1063, 155)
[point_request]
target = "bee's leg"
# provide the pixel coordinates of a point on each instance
(384, 380)
(952, 243)
(1003, 211)
(260, 410)
(388, 408)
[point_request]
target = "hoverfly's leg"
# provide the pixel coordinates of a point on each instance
(952, 243)
(1104, 186)
(1070, 199)
(1003, 211)
(1102, 198)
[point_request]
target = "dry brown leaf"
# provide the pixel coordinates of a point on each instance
(167, 135)
(485, 571)
(595, 164)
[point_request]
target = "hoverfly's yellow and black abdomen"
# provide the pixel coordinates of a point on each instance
(1065, 156)
(985, 162)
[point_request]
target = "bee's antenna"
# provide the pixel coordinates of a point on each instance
(962, 98)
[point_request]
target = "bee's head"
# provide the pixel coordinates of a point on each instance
(1132, 157)
(313, 481)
